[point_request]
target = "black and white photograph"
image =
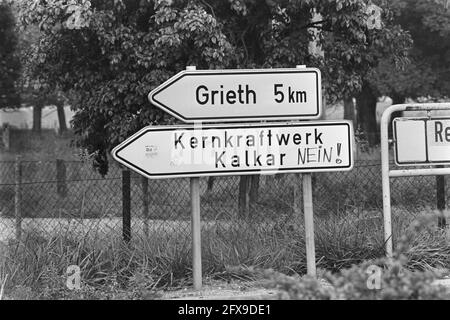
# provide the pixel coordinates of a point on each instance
(216, 158)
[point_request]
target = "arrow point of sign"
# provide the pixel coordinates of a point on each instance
(161, 97)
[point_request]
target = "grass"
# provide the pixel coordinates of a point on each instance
(2, 285)
(348, 228)
(111, 269)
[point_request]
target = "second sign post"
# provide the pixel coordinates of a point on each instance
(240, 149)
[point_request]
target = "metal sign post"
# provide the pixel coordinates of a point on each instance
(196, 225)
(196, 233)
(308, 212)
(430, 148)
(309, 225)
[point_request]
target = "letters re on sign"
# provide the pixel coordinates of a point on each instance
(422, 141)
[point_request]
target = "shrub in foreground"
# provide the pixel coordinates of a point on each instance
(380, 279)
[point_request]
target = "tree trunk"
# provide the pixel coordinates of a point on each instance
(243, 196)
(396, 99)
(367, 103)
(349, 109)
(37, 118)
(61, 177)
(61, 118)
(210, 184)
(254, 188)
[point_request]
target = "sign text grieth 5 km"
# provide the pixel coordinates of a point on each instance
(192, 151)
(241, 95)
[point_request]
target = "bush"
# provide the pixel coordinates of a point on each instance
(372, 280)
(420, 251)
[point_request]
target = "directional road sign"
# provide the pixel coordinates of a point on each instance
(241, 95)
(239, 149)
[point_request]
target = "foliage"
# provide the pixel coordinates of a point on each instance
(404, 276)
(396, 283)
(106, 56)
(34, 90)
(428, 73)
(9, 60)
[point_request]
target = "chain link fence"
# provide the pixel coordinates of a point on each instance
(52, 197)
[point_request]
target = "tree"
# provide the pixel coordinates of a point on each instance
(33, 90)
(428, 73)
(428, 22)
(9, 61)
(392, 45)
(106, 56)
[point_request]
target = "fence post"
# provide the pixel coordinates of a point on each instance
(18, 197)
(61, 186)
(253, 192)
(6, 136)
(126, 205)
(440, 199)
(243, 200)
(145, 201)
(296, 205)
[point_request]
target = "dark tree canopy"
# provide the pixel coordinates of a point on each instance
(107, 55)
(9, 60)
(428, 74)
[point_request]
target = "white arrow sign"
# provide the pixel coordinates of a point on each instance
(191, 151)
(241, 95)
